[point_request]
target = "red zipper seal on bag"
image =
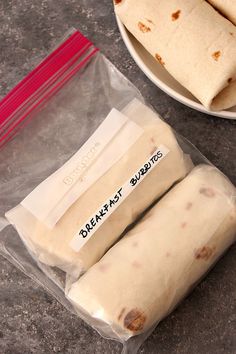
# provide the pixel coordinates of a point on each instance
(42, 83)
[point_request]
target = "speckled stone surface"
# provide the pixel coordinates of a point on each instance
(31, 321)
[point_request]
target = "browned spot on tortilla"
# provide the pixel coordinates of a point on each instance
(104, 267)
(216, 55)
(134, 320)
(208, 192)
(159, 58)
(230, 79)
(121, 314)
(150, 21)
(143, 28)
(153, 140)
(183, 225)
(153, 150)
(231, 33)
(204, 253)
(136, 264)
(135, 244)
(167, 254)
(189, 206)
(175, 15)
(117, 2)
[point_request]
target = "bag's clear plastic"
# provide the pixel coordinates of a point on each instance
(91, 166)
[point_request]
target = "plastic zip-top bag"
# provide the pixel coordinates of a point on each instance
(118, 216)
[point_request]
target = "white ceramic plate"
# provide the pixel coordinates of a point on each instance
(161, 78)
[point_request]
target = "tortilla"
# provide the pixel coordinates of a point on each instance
(52, 246)
(195, 44)
(226, 7)
(146, 274)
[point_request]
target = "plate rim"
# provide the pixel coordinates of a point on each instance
(164, 87)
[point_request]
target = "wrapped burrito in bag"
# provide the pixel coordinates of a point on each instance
(226, 7)
(75, 178)
(143, 277)
(52, 246)
(192, 41)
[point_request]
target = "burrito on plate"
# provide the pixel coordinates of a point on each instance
(146, 274)
(52, 246)
(192, 41)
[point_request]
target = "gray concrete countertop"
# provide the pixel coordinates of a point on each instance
(31, 321)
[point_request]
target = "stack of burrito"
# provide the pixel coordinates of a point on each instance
(145, 275)
(193, 41)
(52, 246)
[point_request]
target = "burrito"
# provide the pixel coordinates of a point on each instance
(226, 7)
(195, 44)
(53, 246)
(146, 274)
